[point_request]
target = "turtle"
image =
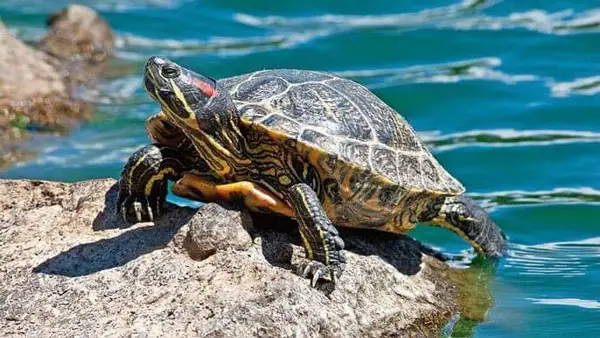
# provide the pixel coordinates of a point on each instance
(309, 145)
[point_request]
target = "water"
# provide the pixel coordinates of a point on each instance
(506, 93)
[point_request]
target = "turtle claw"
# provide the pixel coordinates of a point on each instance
(137, 207)
(134, 209)
(123, 209)
(316, 271)
(316, 277)
(333, 276)
(149, 211)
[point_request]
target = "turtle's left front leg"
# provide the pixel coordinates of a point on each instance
(321, 239)
(143, 182)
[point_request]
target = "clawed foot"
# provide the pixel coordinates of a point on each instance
(136, 209)
(316, 271)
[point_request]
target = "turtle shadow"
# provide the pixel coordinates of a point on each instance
(109, 218)
(402, 252)
(87, 258)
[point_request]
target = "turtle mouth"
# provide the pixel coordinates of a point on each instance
(163, 100)
(150, 87)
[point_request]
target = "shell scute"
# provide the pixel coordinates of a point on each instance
(282, 124)
(409, 174)
(321, 140)
(260, 88)
(384, 161)
(358, 152)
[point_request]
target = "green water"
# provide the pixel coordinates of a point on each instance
(506, 93)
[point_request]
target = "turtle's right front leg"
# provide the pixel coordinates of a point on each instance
(143, 182)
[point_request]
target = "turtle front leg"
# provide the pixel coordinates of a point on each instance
(143, 182)
(321, 239)
(162, 131)
(253, 196)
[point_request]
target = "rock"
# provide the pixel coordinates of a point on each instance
(71, 267)
(36, 84)
(79, 37)
(214, 231)
(26, 72)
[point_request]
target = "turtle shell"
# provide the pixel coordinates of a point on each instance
(342, 119)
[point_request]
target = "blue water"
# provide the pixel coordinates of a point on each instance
(506, 93)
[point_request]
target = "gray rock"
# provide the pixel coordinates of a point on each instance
(71, 267)
(211, 230)
(78, 33)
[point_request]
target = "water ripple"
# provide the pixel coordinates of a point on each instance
(126, 90)
(567, 195)
(466, 15)
(28, 34)
(45, 6)
(558, 23)
(582, 86)
(344, 22)
(449, 72)
(566, 259)
(133, 47)
(507, 138)
(582, 303)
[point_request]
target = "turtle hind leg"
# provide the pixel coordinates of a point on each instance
(321, 239)
(143, 182)
(461, 215)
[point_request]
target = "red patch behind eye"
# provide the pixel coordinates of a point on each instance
(207, 89)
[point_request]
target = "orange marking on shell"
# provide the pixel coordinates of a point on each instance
(207, 89)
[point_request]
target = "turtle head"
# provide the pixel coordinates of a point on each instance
(182, 93)
(194, 103)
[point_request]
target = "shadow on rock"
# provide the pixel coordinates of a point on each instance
(85, 259)
(110, 218)
(402, 252)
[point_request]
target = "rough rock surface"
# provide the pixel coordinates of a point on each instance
(70, 267)
(36, 84)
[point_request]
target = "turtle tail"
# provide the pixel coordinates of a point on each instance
(461, 215)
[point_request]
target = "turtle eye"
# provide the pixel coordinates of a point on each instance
(170, 71)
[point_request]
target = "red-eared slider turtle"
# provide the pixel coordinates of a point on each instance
(305, 144)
